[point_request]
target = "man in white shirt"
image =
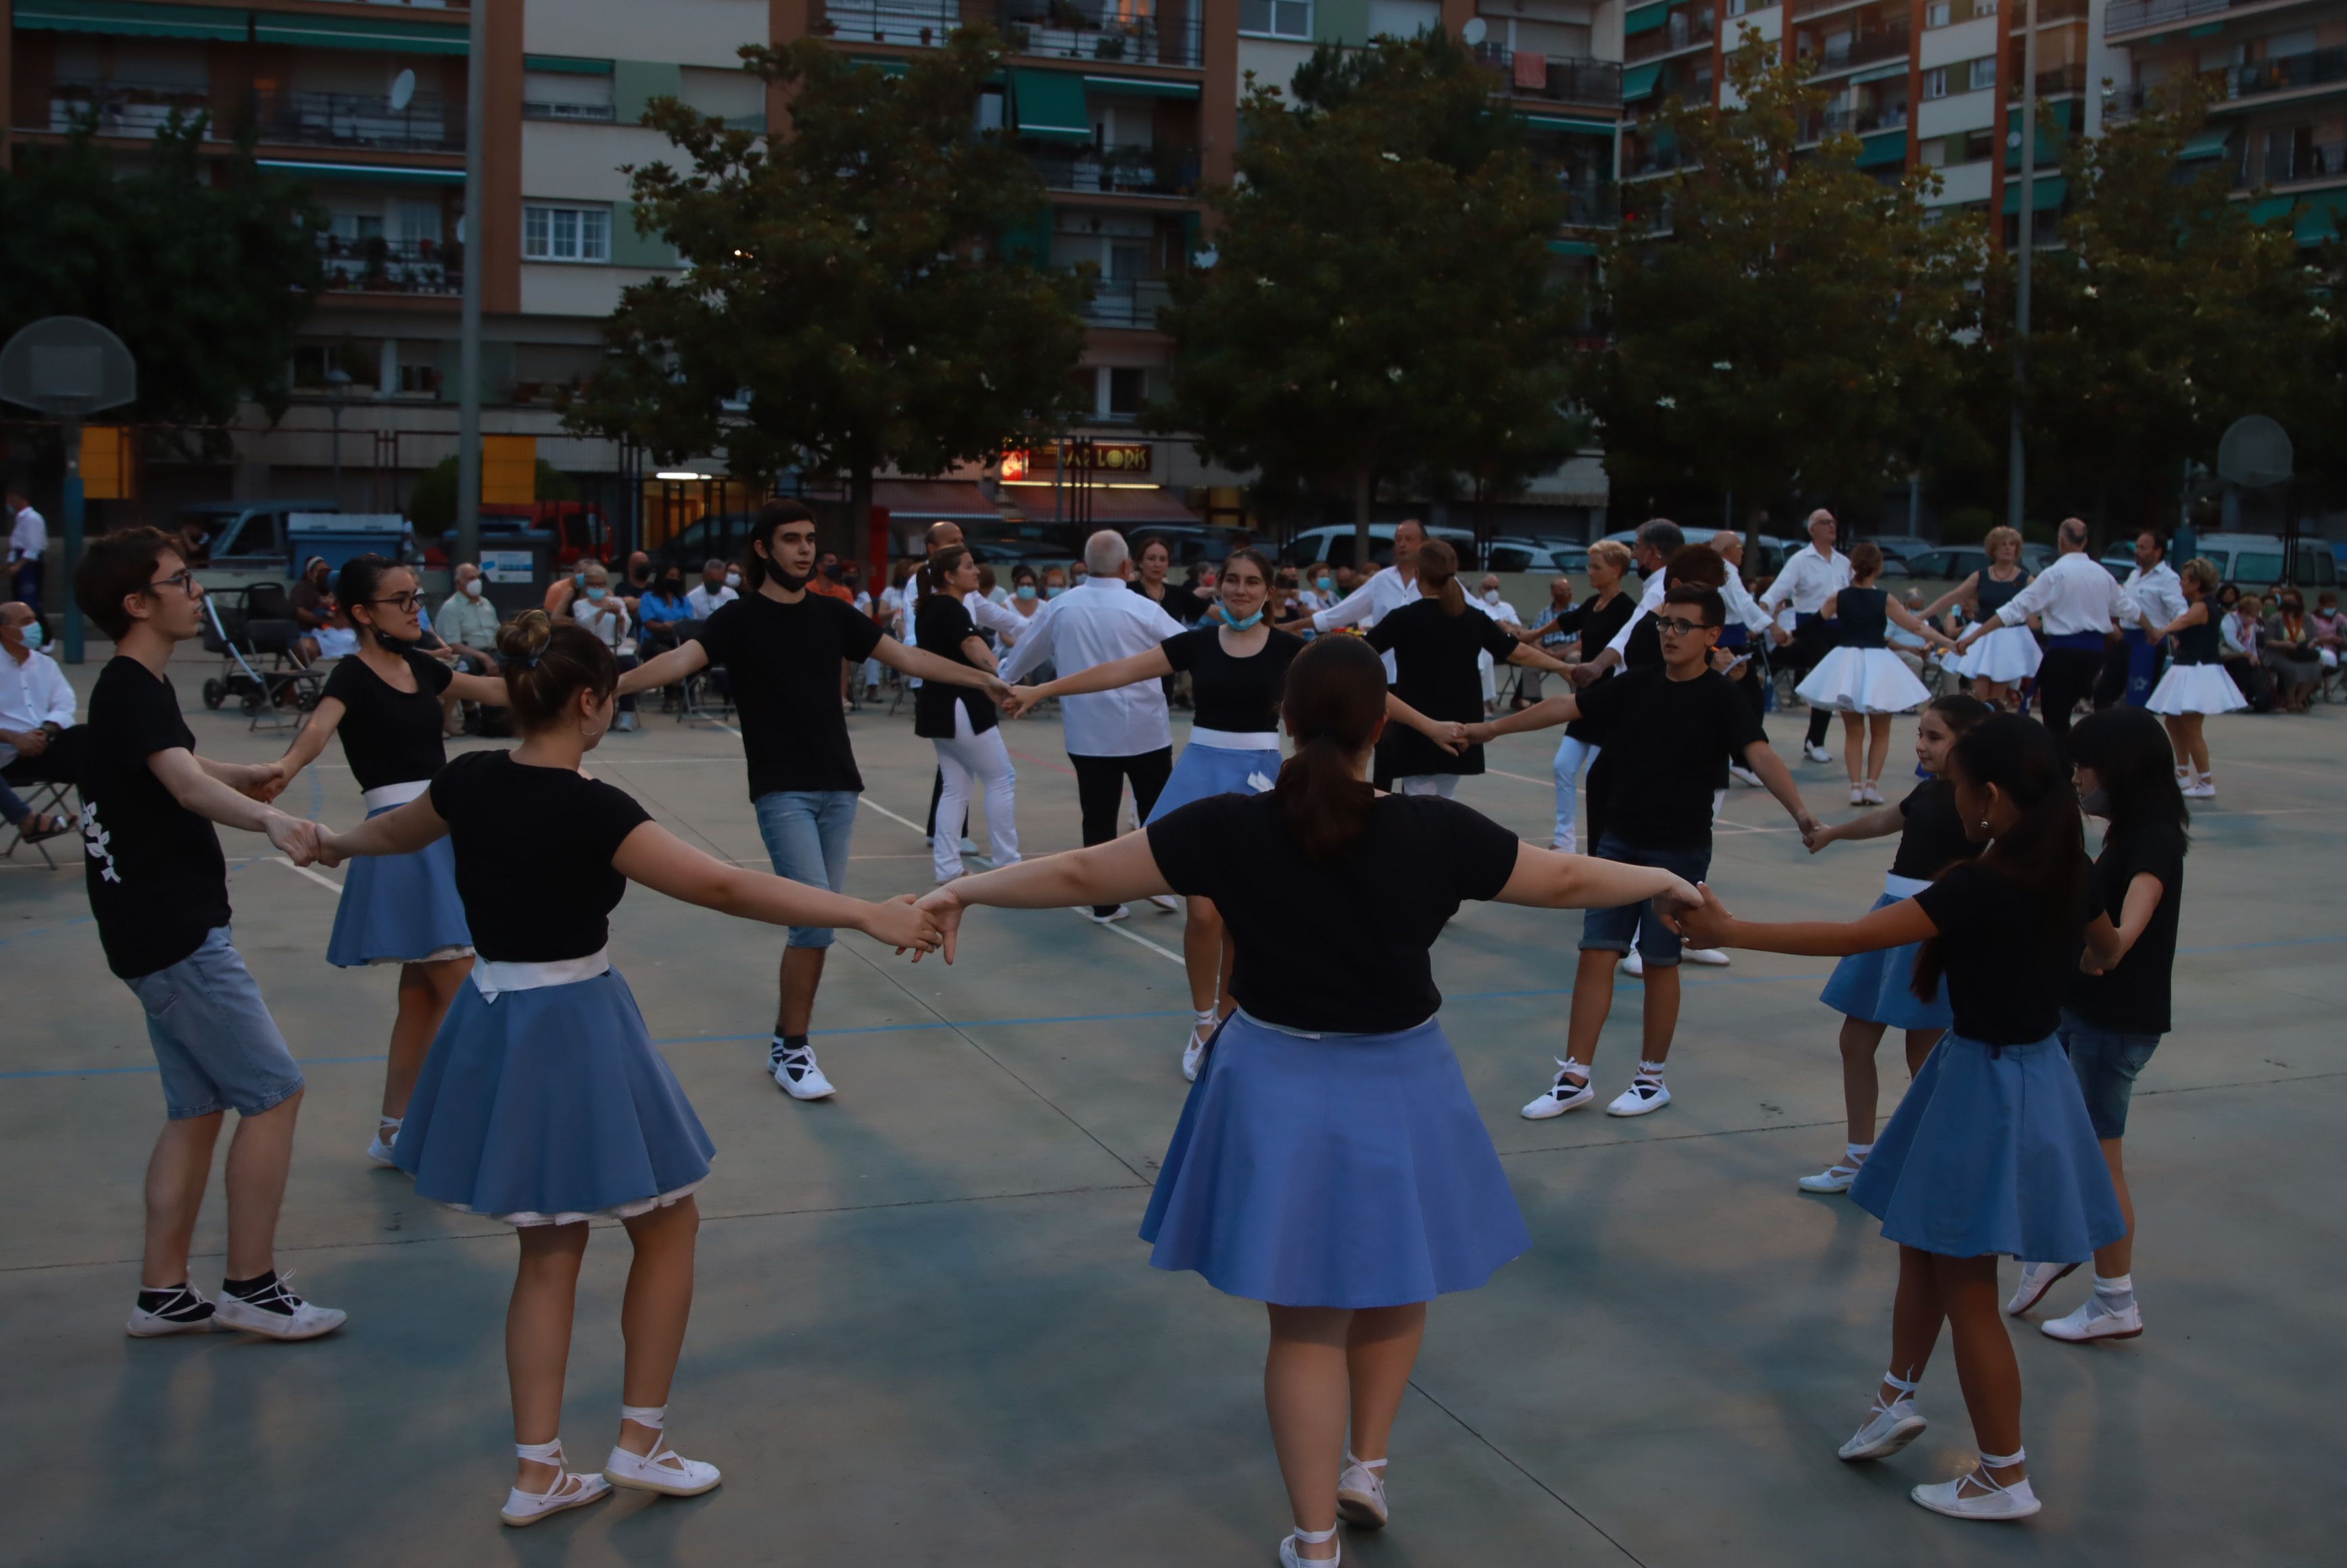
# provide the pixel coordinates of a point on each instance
(468, 622)
(38, 743)
(28, 541)
(2078, 607)
(1386, 590)
(1809, 578)
(1111, 737)
(1747, 626)
(2131, 668)
(718, 589)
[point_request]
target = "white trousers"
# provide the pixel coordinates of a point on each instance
(1444, 784)
(968, 760)
(1572, 759)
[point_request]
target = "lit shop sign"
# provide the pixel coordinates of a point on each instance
(1083, 458)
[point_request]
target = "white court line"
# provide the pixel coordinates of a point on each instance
(1119, 930)
(320, 877)
(892, 816)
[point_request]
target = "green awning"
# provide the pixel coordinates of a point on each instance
(125, 19)
(1571, 248)
(365, 173)
(1879, 73)
(1889, 148)
(1140, 88)
(357, 32)
(1645, 19)
(2207, 144)
(566, 65)
(2313, 216)
(1571, 127)
(1638, 81)
(2045, 194)
(1049, 106)
(2049, 147)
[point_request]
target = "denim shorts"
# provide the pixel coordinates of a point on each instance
(217, 1046)
(2106, 1062)
(1612, 930)
(806, 834)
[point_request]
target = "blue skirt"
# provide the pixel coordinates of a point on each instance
(1873, 987)
(1992, 1151)
(1347, 1171)
(398, 908)
(549, 1106)
(1203, 770)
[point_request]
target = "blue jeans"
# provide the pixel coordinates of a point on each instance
(2106, 1062)
(1612, 930)
(806, 833)
(217, 1046)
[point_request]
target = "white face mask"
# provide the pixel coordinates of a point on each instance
(733, 579)
(472, 588)
(1491, 596)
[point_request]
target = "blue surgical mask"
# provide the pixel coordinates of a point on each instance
(1026, 590)
(1054, 592)
(597, 592)
(1236, 625)
(32, 634)
(1324, 583)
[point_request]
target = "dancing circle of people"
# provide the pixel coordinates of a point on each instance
(2030, 984)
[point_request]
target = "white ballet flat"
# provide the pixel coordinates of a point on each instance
(570, 1488)
(663, 1470)
(1289, 1558)
(1890, 1428)
(1361, 1493)
(1194, 1053)
(1975, 1495)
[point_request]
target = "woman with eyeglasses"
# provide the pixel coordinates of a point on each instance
(384, 702)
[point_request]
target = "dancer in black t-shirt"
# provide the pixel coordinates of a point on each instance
(959, 721)
(543, 1102)
(1991, 1151)
(384, 702)
(1329, 1161)
(158, 890)
(783, 647)
(2117, 1009)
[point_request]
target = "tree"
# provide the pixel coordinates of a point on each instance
(2166, 312)
(432, 503)
(849, 279)
(1783, 325)
(1382, 299)
(205, 279)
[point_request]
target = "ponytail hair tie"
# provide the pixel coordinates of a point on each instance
(528, 661)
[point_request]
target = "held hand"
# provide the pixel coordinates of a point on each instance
(943, 909)
(1809, 826)
(1583, 676)
(1477, 734)
(1780, 636)
(1449, 735)
(329, 848)
(31, 743)
(2086, 963)
(263, 781)
(1704, 925)
(1817, 840)
(1021, 702)
(997, 689)
(293, 838)
(903, 924)
(1679, 897)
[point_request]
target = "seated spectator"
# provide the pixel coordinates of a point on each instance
(605, 614)
(2288, 643)
(320, 632)
(660, 611)
(2239, 629)
(1026, 592)
(720, 585)
(2330, 628)
(467, 623)
(639, 583)
(39, 740)
(1055, 581)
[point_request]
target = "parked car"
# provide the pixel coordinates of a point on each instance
(1536, 556)
(1334, 544)
(718, 536)
(1954, 563)
(247, 541)
(2254, 560)
(1900, 546)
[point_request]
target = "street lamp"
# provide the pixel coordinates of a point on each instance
(338, 389)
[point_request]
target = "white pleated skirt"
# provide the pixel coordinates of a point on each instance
(2195, 689)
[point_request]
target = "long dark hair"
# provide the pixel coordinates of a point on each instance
(1336, 696)
(2134, 763)
(2045, 850)
(1438, 568)
(770, 518)
(937, 568)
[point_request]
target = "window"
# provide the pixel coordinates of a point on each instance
(1983, 75)
(1983, 8)
(1938, 14)
(566, 234)
(1127, 390)
(1979, 145)
(1278, 18)
(1935, 82)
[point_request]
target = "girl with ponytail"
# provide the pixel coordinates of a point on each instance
(1992, 1151)
(1280, 1183)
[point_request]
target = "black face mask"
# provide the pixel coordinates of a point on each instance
(673, 587)
(639, 574)
(790, 583)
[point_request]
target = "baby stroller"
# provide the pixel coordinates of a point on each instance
(258, 624)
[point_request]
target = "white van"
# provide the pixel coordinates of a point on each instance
(1335, 545)
(2254, 560)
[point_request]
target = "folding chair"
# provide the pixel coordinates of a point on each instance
(46, 796)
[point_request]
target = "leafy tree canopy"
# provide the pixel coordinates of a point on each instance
(432, 505)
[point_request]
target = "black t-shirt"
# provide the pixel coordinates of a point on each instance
(941, 624)
(1179, 602)
(1356, 960)
(1933, 836)
(1240, 696)
(2133, 998)
(390, 736)
(1599, 626)
(785, 659)
(534, 849)
(1435, 672)
(1667, 748)
(2006, 982)
(157, 882)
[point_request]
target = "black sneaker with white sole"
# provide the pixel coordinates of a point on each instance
(267, 1306)
(172, 1309)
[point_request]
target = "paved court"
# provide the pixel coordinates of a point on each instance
(926, 1333)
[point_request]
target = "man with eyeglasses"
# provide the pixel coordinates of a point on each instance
(1676, 725)
(159, 889)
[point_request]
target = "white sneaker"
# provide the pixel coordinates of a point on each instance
(2204, 790)
(1120, 913)
(379, 1149)
(570, 1489)
(2036, 1279)
(1874, 795)
(2093, 1321)
(626, 723)
(1361, 1493)
(1646, 1092)
(662, 1470)
(1745, 776)
(1563, 1095)
(796, 1073)
(187, 1311)
(1816, 754)
(1835, 1178)
(1858, 795)
(1890, 1428)
(1631, 963)
(1976, 1496)
(277, 1313)
(1165, 901)
(1716, 957)
(969, 845)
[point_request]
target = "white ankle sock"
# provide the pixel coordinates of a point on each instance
(2114, 1294)
(1856, 1153)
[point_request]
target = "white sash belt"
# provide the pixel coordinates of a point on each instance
(1234, 740)
(494, 979)
(1322, 1033)
(383, 795)
(1897, 887)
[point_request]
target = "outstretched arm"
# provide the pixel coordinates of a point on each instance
(235, 795)
(1449, 736)
(402, 830)
(1546, 880)
(1132, 669)
(2195, 613)
(1906, 618)
(1122, 869)
(1535, 658)
(1541, 715)
(1762, 759)
(664, 863)
(1967, 591)
(489, 689)
(1880, 823)
(1892, 926)
(920, 662)
(687, 658)
(312, 741)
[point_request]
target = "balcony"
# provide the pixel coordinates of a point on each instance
(1803, 8)
(117, 109)
(2061, 82)
(537, 109)
(375, 265)
(1681, 31)
(2135, 15)
(351, 120)
(1559, 78)
(1131, 303)
(1110, 32)
(1162, 169)
(2299, 165)
(1863, 121)
(2290, 74)
(1640, 161)
(1591, 205)
(1848, 54)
